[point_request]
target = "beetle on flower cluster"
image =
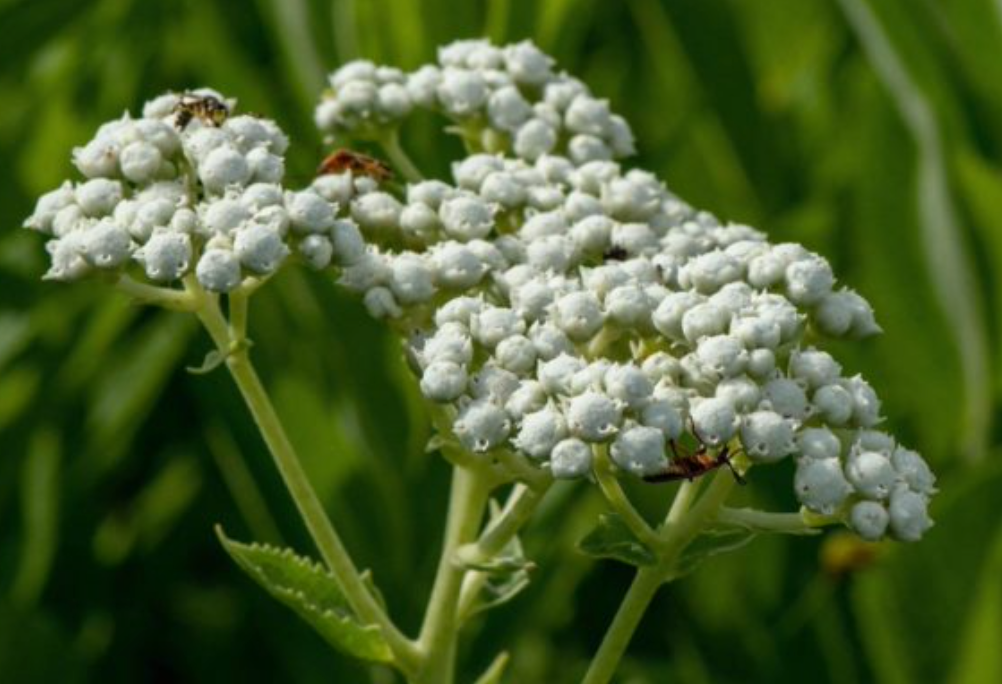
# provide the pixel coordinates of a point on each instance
(566, 317)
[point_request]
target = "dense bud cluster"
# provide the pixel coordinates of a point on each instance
(558, 303)
(166, 197)
(503, 99)
(552, 302)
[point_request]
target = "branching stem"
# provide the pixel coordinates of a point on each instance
(684, 523)
(614, 494)
(521, 504)
(440, 629)
(227, 337)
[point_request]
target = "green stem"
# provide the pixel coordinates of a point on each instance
(684, 497)
(645, 585)
(515, 466)
(763, 521)
(238, 316)
(679, 534)
(176, 300)
(605, 474)
(521, 504)
(321, 529)
(399, 158)
(440, 629)
(682, 526)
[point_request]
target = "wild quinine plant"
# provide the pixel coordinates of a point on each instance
(565, 318)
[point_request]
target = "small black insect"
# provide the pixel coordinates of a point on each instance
(211, 110)
(615, 253)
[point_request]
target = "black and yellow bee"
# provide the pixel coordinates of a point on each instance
(206, 108)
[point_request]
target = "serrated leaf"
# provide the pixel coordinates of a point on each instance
(309, 590)
(709, 545)
(612, 538)
(499, 589)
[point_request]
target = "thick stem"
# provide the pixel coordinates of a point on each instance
(321, 529)
(617, 638)
(238, 317)
(678, 535)
(440, 630)
(329, 543)
(521, 504)
(682, 526)
(176, 300)
(614, 494)
(684, 497)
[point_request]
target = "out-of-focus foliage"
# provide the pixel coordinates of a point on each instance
(869, 130)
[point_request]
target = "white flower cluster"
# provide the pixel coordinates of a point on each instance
(507, 99)
(560, 307)
(175, 192)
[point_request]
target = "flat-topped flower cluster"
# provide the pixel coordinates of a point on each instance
(505, 99)
(557, 302)
(164, 199)
(558, 307)
(552, 302)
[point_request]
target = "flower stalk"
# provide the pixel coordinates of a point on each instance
(310, 508)
(440, 630)
(681, 527)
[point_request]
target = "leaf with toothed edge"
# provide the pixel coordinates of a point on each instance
(312, 592)
(612, 538)
(709, 544)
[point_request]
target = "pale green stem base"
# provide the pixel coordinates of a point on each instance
(781, 523)
(521, 504)
(440, 630)
(229, 341)
(431, 658)
(681, 527)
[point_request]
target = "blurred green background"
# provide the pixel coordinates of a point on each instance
(871, 131)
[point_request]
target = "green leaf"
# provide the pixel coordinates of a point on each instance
(211, 362)
(507, 573)
(309, 590)
(709, 545)
(500, 588)
(612, 538)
